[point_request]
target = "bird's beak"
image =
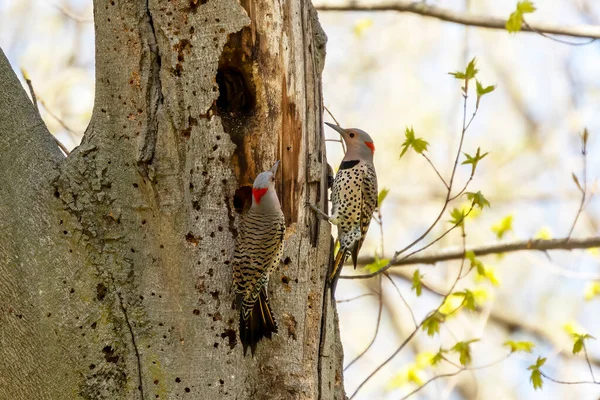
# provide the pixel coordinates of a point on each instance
(341, 130)
(274, 169)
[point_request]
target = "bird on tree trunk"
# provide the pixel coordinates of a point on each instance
(258, 251)
(353, 196)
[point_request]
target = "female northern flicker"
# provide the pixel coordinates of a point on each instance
(258, 251)
(353, 196)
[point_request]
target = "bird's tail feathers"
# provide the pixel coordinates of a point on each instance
(257, 323)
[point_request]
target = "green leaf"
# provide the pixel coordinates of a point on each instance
(474, 160)
(526, 347)
(416, 282)
(536, 379)
(579, 339)
(515, 21)
(463, 349)
(592, 289)
(457, 216)
(377, 265)
(471, 71)
(525, 7)
(431, 325)
(468, 299)
(536, 374)
(417, 144)
(438, 357)
(458, 74)
(503, 226)
(482, 91)
(382, 195)
(478, 199)
(468, 73)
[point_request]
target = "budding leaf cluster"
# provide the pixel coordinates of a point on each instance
(579, 341)
(382, 195)
(536, 374)
(474, 160)
(416, 282)
(515, 347)
(431, 325)
(515, 21)
(502, 227)
(463, 349)
(457, 216)
(478, 199)
(417, 144)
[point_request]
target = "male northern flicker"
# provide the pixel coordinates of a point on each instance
(353, 196)
(258, 251)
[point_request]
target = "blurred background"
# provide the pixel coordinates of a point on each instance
(386, 71)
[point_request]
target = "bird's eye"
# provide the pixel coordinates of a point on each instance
(351, 134)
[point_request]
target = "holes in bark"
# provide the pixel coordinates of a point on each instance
(231, 335)
(242, 199)
(101, 291)
(109, 355)
(236, 94)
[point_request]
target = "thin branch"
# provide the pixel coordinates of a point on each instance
(355, 298)
(584, 188)
(30, 86)
(338, 124)
(35, 103)
(414, 332)
(412, 314)
(450, 374)
(567, 382)
(435, 169)
(70, 14)
(509, 323)
(587, 359)
(393, 263)
(524, 245)
(463, 18)
(379, 313)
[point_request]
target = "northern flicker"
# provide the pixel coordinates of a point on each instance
(353, 196)
(258, 251)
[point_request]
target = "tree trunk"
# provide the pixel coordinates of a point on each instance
(115, 274)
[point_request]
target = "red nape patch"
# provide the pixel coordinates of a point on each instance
(258, 194)
(371, 145)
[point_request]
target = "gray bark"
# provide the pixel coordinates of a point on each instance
(115, 276)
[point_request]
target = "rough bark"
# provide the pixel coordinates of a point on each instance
(115, 262)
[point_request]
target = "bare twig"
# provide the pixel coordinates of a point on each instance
(524, 245)
(510, 323)
(355, 298)
(412, 314)
(583, 189)
(435, 169)
(35, 103)
(567, 382)
(70, 14)
(414, 332)
(338, 124)
(378, 324)
(30, 86)
(461, 369)
(463, 18)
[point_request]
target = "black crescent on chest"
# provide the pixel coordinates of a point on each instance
(348, 164)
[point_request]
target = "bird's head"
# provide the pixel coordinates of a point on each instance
(359, 144)
(264, 186)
